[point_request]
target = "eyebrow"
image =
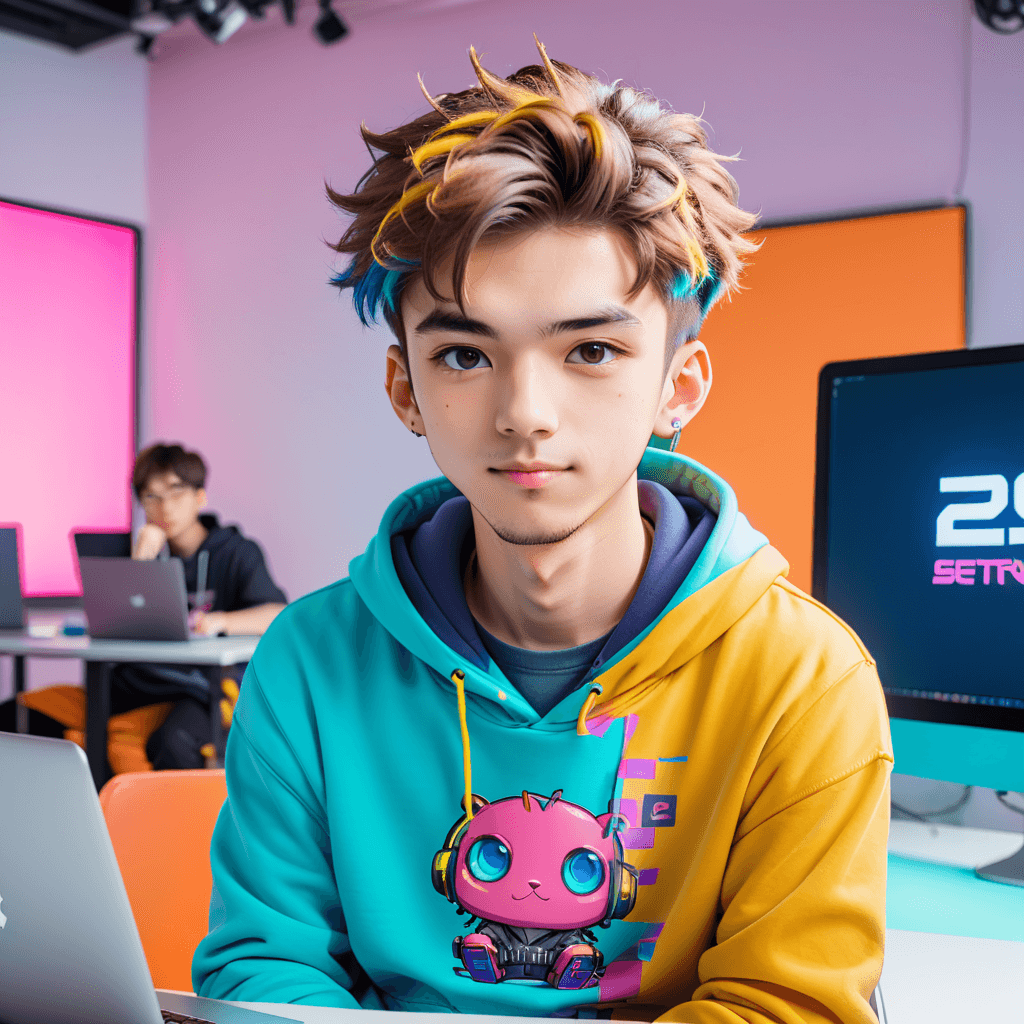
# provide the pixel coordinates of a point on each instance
(442, 320)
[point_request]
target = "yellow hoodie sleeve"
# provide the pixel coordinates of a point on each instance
(802, 927)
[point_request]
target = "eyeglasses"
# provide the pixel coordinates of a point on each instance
(173, 494)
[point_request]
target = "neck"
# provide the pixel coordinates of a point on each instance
(555, 596)
(188, 542)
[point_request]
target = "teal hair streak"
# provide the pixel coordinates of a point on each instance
(374, 290)
(705, 290)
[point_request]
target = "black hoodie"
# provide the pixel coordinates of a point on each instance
(236, 572)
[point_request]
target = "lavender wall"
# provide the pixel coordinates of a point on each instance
(73, 127)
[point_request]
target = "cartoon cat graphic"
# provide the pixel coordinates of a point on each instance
(539, 873)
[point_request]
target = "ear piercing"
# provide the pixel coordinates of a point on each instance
(677, 426)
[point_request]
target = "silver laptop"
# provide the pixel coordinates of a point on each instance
(126, 599)
(69, 949)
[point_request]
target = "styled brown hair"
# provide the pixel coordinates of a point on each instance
(162, 458)
(547, 146)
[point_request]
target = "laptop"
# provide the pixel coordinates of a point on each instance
(69, 949)
(11, 613)
(128, 599)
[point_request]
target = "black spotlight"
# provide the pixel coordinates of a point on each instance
(1002, 16)
(329, 28)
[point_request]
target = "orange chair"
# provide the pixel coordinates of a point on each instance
(160, 824)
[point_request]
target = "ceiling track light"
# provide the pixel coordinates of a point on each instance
(329, 28)
(221, 19)
(1002, 16)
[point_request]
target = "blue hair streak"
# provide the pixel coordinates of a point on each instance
(374, 290)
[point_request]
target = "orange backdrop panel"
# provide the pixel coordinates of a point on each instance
(815, 294)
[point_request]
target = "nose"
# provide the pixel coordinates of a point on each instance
(533, 884)
(528, 400)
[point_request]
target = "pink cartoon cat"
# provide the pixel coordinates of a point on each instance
(539, 873)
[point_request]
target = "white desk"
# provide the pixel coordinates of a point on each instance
(948, 979)
(926, 979)
(213, 653)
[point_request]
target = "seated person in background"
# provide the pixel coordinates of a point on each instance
(160, 713)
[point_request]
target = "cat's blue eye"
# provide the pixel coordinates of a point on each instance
(488, 859)
(582, 872)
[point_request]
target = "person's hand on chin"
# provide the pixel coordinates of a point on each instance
(149, 543)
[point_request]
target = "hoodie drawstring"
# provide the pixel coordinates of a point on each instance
(459, 679)
(588, 705)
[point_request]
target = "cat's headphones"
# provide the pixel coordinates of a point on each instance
(622, 887)
(622, 890)
(442, 869)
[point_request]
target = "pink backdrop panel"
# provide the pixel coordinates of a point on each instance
(67, 338)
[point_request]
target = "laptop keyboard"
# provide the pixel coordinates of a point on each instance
(170, 1017)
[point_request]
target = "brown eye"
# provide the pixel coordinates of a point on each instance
(593, 353)
(465, 358)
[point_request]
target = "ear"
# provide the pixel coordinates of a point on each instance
(687, 384)
(398, 385)
(201, 497)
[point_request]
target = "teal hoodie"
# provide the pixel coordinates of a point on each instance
(339, 845)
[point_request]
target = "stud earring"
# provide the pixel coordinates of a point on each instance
(677, 426)
(415, 434)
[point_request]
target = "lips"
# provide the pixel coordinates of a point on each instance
(533, 893)
(532, 475)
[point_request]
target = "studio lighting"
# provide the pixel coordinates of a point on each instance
(219, 19)
(329, 28)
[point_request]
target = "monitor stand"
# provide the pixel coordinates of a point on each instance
(1009, 871)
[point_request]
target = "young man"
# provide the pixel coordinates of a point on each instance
(160, 713)
(567, 690)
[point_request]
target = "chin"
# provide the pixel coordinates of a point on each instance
(528, 532)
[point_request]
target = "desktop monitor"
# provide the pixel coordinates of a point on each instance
(104, 544)
(919, 546)
(11, 613)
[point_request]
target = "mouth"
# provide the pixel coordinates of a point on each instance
(530, 475)
(533, 893)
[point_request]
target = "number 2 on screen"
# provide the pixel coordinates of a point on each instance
(949, 535)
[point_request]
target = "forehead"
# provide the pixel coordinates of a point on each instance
(525, 281)
(162, 480)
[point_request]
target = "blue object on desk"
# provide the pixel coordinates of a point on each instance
(925, 897)
(71, 630)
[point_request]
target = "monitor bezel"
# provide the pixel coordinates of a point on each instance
(919, 709)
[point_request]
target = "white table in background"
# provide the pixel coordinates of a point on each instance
(213, 654)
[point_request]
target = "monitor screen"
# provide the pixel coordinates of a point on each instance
(919, 527)
(68, 294)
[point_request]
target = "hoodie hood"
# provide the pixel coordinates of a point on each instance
(730, 545)
(216, 535)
